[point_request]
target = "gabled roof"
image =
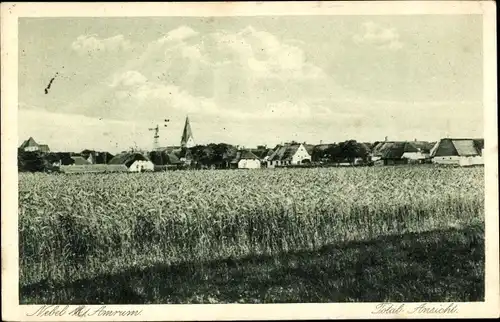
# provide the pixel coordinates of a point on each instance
(29, 142)
(262, 153)
(458, 147)
(244, 155)
(128, 158)
(285, 152)
(172, 158)
(395, 150)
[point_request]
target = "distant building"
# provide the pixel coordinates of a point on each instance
(30, 145)
(96, 157)
(402, 152)
(246, 160)
(187, 140)
(290, 153)
(463, 152)
(79, 160)
(134, 161)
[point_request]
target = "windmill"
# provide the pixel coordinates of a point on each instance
(156, 136)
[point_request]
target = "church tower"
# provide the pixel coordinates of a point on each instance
(187, 140)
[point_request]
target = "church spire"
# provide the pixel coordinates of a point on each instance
(187, 140)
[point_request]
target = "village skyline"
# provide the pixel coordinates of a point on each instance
(102, 83)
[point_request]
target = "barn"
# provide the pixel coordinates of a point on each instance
(134, 161)
(462, 152)
(402, 152)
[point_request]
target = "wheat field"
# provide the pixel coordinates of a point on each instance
(79, 227)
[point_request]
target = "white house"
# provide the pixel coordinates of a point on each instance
(135, 162)
(30, 145)
(247, 160)
(462, 152)
(288, 154)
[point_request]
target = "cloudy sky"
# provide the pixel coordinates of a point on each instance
(249, 80)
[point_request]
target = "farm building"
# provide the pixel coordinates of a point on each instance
(463, 152)
(246, 160)
(163, 157)
(134, 161)
(96, 157)
(30, 145)
(390, 152)
(262, 153)
(290, 153)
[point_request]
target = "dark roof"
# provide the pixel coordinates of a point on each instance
(244, 155)
(286, 152)
(395, 150)
(458, 147)
(172, 158)
(127, 158)
(262, 153)
(28, 142)
(170, 149)
(80, 160)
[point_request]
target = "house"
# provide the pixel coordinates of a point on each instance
(30, 145)
(134, 161)
(462, 152)
(163, 157)
(400, 152)
(422, 153)
(290, 153)
(263, 153)
(245, 159)
(95, 157)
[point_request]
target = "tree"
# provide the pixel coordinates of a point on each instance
(350, 150)
(31, 161)
(223, 154)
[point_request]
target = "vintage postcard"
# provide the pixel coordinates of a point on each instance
(249, 161)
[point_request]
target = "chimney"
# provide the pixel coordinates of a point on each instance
(386, 139)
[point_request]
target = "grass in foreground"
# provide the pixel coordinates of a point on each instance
(443, 265)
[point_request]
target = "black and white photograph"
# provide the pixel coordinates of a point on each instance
(229, 158)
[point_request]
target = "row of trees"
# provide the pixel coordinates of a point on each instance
(346, 151)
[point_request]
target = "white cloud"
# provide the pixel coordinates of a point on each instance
(128, 78)
(378, 36)
(91, 43)
(264, 55)
(134, 85)
(178, 34)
